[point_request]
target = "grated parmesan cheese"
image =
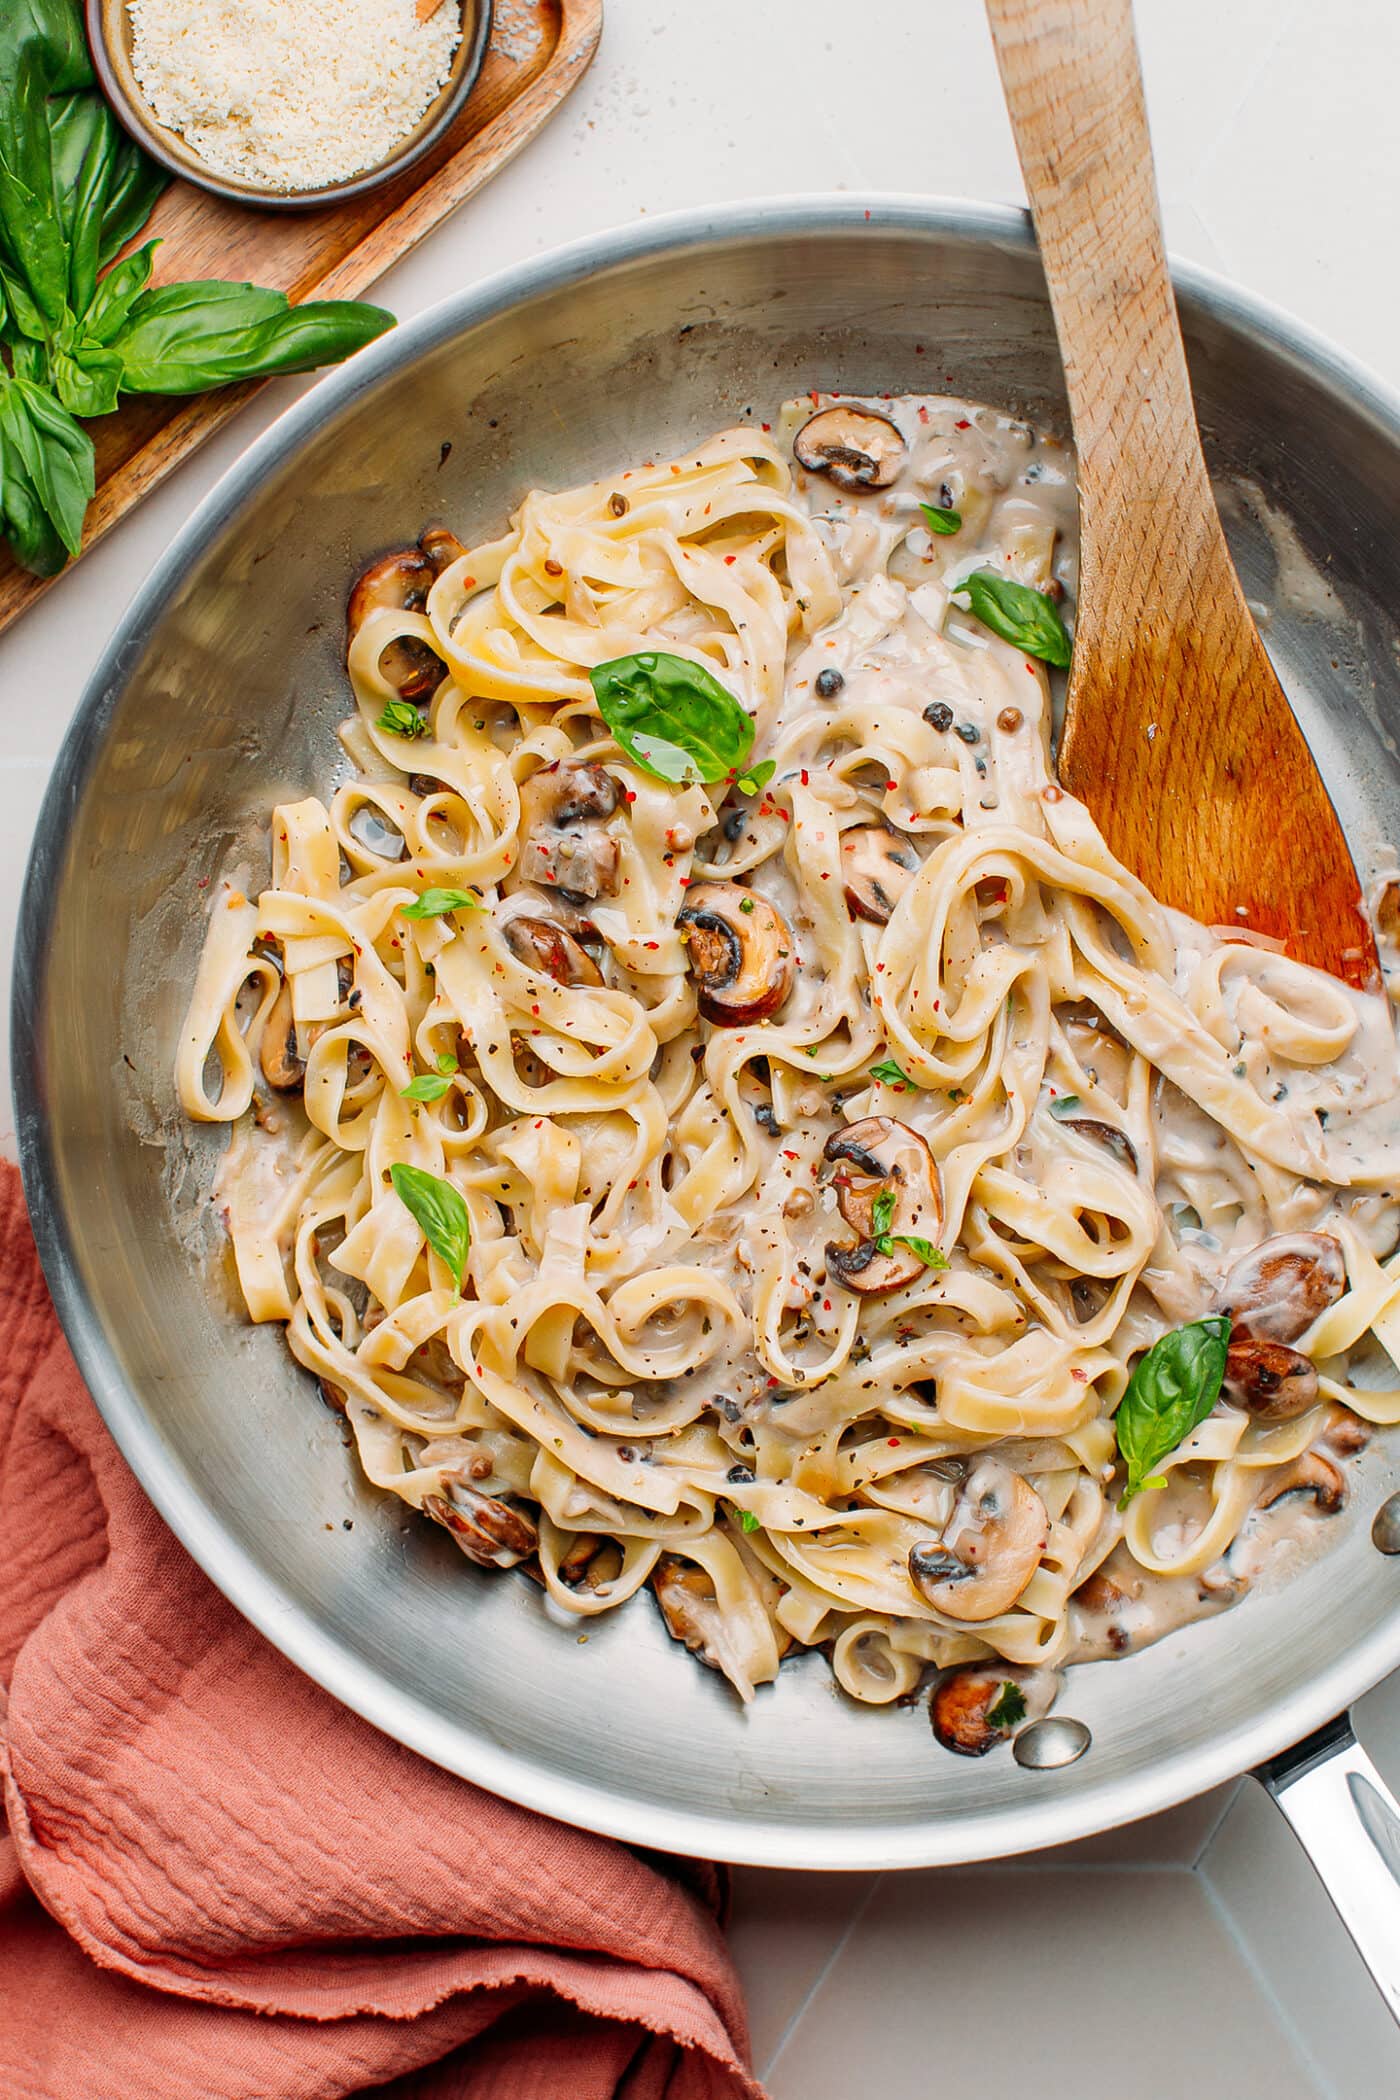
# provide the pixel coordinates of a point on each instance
(291, 94)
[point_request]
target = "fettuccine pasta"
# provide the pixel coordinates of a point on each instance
(823, 1150)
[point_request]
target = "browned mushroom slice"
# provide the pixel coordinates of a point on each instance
(562, 812)
(334, 1395)
(441, 548)
(489, 1531)
(1273, 1381)
(856, 447)
(1313, 1475)
(401, 581)
(690, 1607)
(990, 1547)
(741, 953)
(877, 866)
(282, 1067)
(884, 1155)
(1344, 1433)
(975, 1707)
(552, 951)
(1106, 1134)
(1278, 1289)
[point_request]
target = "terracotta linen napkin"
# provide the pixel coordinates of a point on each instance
(218, 1884)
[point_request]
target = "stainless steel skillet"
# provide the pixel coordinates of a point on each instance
(218, 695)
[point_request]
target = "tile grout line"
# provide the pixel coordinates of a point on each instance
(765, 2071)
(1307, 2062)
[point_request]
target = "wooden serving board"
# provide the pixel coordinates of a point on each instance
(539, 50)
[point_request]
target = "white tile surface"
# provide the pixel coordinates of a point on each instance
(1111, 1970)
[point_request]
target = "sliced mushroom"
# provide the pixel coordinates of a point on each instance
(401, 581)
(334, 1395)
(1273, 1381)
(562, 813)
(493, 1533)
(690, 1607)
(441, 548)
(885, 1155)
(552, 951)
(990, 1547)
(1106, 1134)
(1278, 1289)
(856, 447)
(1345, 1433)
(1314, 1475)
(742, 955)
(282, 1067)
(877, 866)
(963, 1701)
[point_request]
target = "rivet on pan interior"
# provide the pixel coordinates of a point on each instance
(1385, 1531)
(1054, 1741)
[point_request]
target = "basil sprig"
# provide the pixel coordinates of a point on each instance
(941, 522)
(1172, 1390)
(886, 1241)
(431, 1086)
(434, 903)
(1065, 1105)
(402, 718)
(440, 1214)
(677, 721)
(78, 328)
(1018, 614)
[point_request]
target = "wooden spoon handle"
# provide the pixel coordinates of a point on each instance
(1074, 90)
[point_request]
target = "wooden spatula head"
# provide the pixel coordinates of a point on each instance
(1178, 734)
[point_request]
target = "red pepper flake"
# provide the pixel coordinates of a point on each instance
(789, 1155)
(684, 881)
(867, 217)
(802, 776)
(631, 797)
(923, 415)
(962, 424)
(469, 583)
(534, 1009)
(891, 787)
(765, 426)
(894, 1443)
(813, 396)
(729, 560)
(1082, 1377)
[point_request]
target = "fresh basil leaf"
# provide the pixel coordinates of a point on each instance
(932, 1257)
(1065, 1105)
(27, 525)
(183, 338)
(749, 1522)
(673, 717)
(82, 209)
(87, 381)
(1008, 1709)
(440, 1213)
(433, 903)
(882, 1214)
(446, 1062)
(941, 522)
(56, 454)
(133, 182)
(402, 718)
(19, 301)
(757, 777)
(117, 293)
(52, 28)
(1018, 614)
(428, 1086)
(890, 1074)
(30, 227)
(1172, 1390)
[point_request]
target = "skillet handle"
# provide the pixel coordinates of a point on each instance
(1348, 1822)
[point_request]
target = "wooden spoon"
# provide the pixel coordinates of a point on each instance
(1178, 734)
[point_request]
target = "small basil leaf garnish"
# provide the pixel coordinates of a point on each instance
(757, 777)
(882, 1215)
(941, 522)
(428, 1086)
(446, 1062)
(433, 903)
(748, 1521)
(1018, 614)
(402, 718)
(891, 1074)
(1065, 1105)
(1008, 1709)
(440, 1214)
(932, 1257)
(1172, 1390)
(674, 718)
